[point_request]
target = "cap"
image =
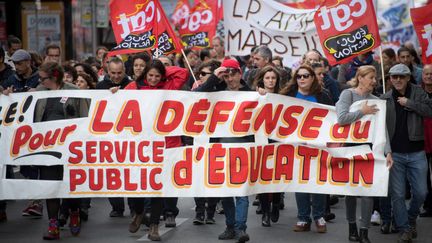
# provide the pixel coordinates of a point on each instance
(400, 69)
(20, 55)
(231, 63)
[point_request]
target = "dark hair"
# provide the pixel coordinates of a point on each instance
(316, 65)
(101, 48)
(88, 70)
(390, 53)
(278, 58)
(13, 40)
(212, 64)
(144, 56)
(154, 64)
(402, 49)
(2, 52)
(90, 60)
(293, 86)
(52, 46)
(36, 59)
(71, 70)
(205, 53)
(88, 79)
(325, 62)
(182, 62)
(259, 77)
(53, 70)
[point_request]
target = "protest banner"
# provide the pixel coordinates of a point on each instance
(346, 29)
(142, 26)
(199, 26)
(181, 12)
(119, 150)
(288, 32)
(395, 23)
(422, 21)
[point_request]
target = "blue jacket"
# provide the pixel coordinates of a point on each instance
(21, 84)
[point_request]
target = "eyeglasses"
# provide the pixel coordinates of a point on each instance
(41, 79)
(397, 76)
(202, 73)
(303, 76)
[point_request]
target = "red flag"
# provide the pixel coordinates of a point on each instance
(422, 20)
(136, 25)
(181, 12)
(217, 4)
(346, 29)
(307, 4)
(200, 26)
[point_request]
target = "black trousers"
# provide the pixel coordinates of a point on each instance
(201, 208)
(267, 198)
(55, 173)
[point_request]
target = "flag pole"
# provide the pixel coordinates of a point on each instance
(382, 69)
(189, 66)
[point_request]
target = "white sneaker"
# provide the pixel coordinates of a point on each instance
(376, 218)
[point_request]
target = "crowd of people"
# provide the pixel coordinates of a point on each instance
(402, 80)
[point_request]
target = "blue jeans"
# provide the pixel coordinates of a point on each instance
(304, 204)
(236, 215)
(411, 166)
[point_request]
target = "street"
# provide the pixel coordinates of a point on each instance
(101, 228)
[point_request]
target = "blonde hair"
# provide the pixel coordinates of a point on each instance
(361, 72)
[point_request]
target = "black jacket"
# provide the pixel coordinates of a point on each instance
(6, 73)
(106, 83)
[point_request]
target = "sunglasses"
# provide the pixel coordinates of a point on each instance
(204, 73)
(397, 76)
(303, 76)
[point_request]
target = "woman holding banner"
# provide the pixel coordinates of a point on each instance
(268, 79)
(156, 76)
(51, 109)
(305, 85)
(364, 84)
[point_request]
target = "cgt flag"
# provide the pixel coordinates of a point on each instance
(200, 26)
(142, 26)
(346, 29)
(422, 20)
(181, 12)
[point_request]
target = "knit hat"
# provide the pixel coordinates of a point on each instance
(20, 55)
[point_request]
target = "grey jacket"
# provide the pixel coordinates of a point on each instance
(72, 108)
(419, 105)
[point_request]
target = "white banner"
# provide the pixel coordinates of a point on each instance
(119, 148)
(288, 32)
